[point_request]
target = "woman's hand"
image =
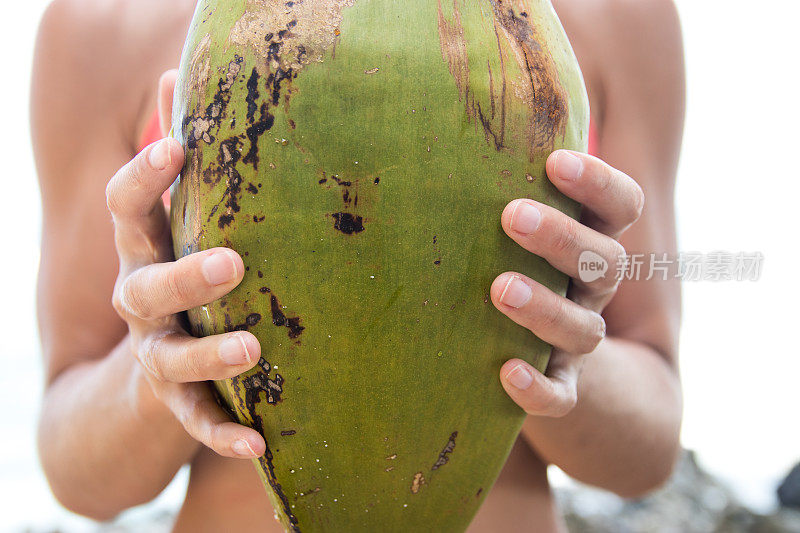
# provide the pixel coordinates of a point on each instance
(574, 326)
(151, 289)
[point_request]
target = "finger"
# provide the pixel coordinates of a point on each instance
(177, 357)
(564, 242)
(539, 395)
(166, 90)
(612, 200)
(195, 407)
(134, 199)
(162, 289)
(550, 317)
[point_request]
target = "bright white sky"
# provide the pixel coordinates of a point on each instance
(738, 190)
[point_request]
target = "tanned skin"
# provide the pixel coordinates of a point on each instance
(126, 404)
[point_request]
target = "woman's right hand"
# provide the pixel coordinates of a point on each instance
(151, 288)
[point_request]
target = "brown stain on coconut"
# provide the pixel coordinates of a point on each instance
(289, 37)
(248, 389)
(305, 31)
(444, 458)
(538, 87)
(417, 482)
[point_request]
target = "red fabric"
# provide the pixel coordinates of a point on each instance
(151, 134)
(594, 141)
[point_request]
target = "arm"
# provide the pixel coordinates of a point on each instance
(623, 432)
(112, 432)
(98, 422)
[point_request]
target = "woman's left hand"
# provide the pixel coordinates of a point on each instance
(574, 326)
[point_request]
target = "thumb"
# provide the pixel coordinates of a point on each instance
(537, 394)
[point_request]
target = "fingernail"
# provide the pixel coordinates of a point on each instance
(525, 218)
(233, 351)
(219, 268)
(568, 166)
(520, 377)
(160, 155)
(517, 293)
(242, 447)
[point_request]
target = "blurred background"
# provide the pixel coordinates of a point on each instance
(737, 192)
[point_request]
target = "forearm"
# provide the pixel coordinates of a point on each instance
(106, 443)
(623, 434)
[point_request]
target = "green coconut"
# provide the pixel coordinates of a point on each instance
(358, 154)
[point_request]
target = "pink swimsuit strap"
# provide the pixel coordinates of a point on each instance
(151, 133)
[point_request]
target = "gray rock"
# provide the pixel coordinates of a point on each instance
(789, 491)
(691, 502)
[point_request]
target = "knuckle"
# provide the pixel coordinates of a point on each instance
(159, 392)
(637, 206)
(565, 240)
(608, 283)
(192, 364)
(175, 286)
(127, 178)
(118, 302)
(551, 314)
(112, 196)
(595, 334)
(135, 300)
(184, 416)
(150, 355)
(566, 404)
(602, 328)
(214, 439)
(189, 415)
(135, 172)
(537, 404)
(194, 413)
(620, 261)
(616, 261)
(198, 423)
(557, 402)
(606, 178)
(618, 253)
(552, 402)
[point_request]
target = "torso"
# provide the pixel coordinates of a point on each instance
(227, 494)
